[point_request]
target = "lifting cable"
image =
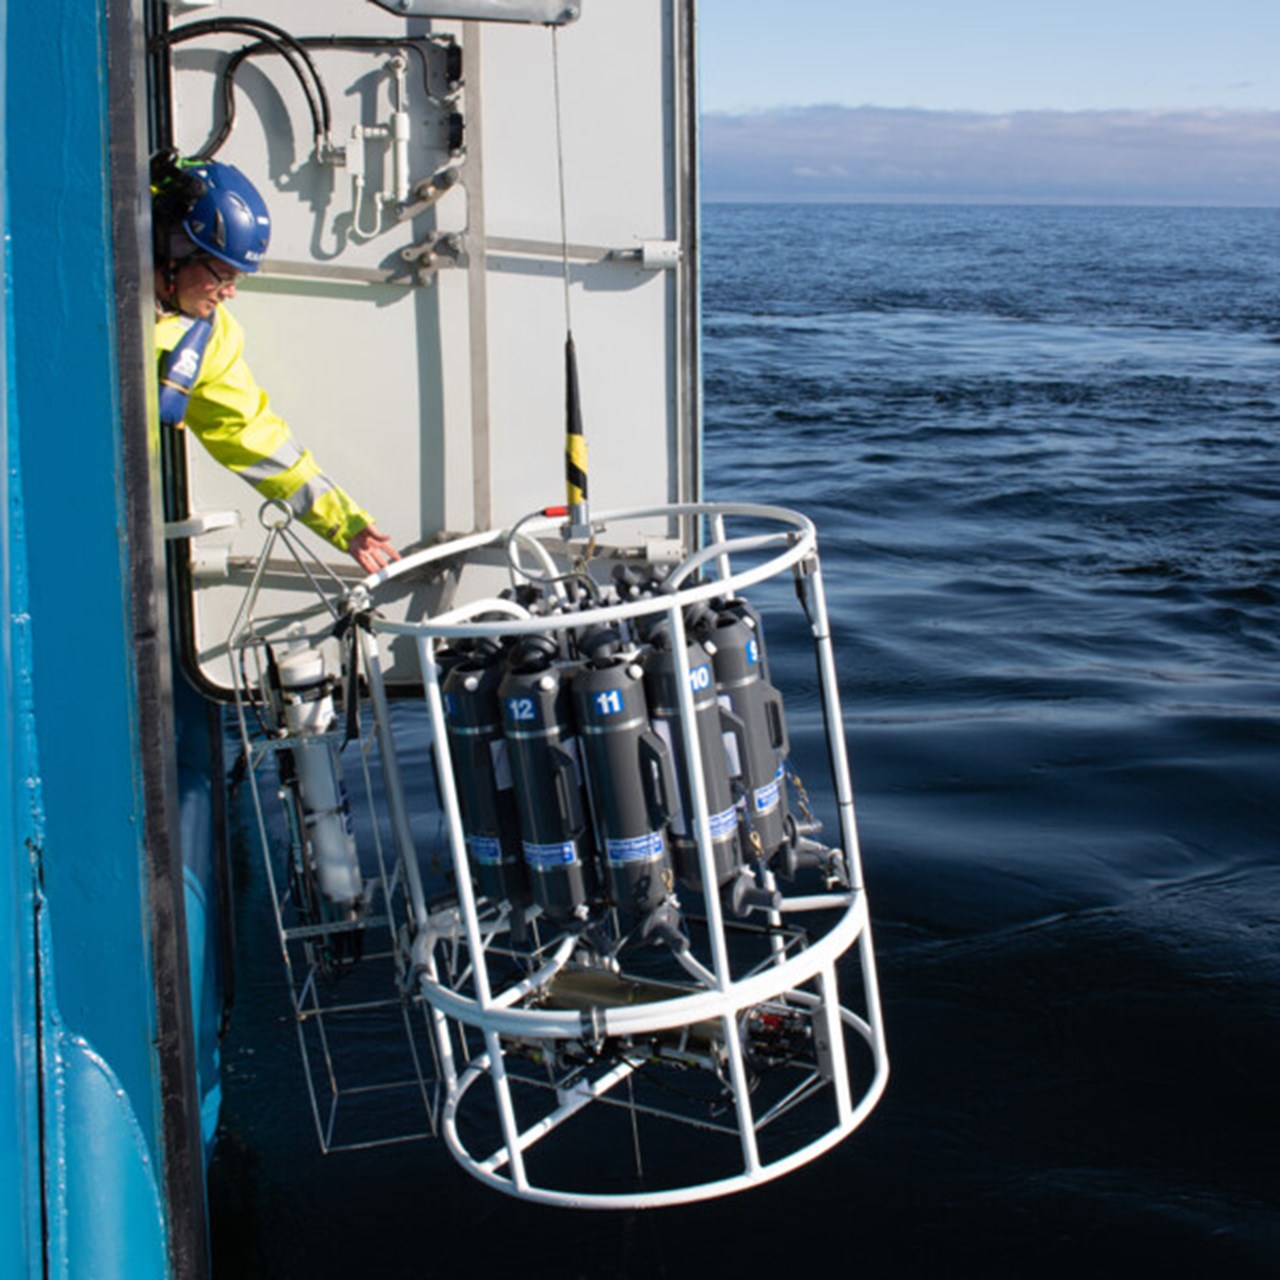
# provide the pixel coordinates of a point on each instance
(575, 510)
(575, 444)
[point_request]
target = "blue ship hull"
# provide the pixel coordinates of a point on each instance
(106, 821)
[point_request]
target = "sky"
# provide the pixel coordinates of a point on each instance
(1150, 101)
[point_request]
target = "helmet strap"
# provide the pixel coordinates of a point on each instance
(169, 288)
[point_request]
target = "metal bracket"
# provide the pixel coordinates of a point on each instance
(652, 255)
(201, 522)
(543, 12)
(427, 192)
(440, 249)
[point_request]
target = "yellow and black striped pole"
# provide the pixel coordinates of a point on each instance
(575, 448)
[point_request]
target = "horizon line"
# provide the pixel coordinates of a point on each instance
(1007, 202)
(989, 111)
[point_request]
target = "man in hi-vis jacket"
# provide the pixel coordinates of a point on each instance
(211, 228)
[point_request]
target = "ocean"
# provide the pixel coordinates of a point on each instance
(1042, 449)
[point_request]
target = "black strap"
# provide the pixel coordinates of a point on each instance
(347, 631)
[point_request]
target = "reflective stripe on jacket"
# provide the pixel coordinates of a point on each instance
(230, 415)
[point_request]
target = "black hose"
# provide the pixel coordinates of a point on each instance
(273, 39)
(227, 78)
(288, 46)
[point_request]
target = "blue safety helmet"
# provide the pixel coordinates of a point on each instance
(229, 219)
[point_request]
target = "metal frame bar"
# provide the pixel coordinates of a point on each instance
(309, 1005)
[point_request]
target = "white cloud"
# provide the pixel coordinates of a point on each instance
(1211, 156)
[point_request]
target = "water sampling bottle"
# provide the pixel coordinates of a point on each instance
(631, 781)
(482, 771)
(307, 715)
(556, 838)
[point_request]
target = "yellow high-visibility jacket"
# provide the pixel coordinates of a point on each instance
(230, 415)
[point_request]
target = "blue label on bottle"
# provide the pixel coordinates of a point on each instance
(486, 850)
(608, 702)
(724, 823)
(546, 856)
(765, 799)
(522, 710)
(635, 849)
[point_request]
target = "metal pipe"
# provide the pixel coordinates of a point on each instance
(453, 819)
(830, 689)
(698, 794)
(398, 811)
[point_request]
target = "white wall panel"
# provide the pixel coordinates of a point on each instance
(440, 405)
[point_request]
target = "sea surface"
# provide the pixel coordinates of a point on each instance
(1042, 449)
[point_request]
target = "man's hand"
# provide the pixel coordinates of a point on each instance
(372, 550)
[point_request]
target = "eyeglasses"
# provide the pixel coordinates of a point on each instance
(222, 280)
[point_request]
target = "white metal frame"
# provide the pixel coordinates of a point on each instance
(319, 1007)
(464, 998)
